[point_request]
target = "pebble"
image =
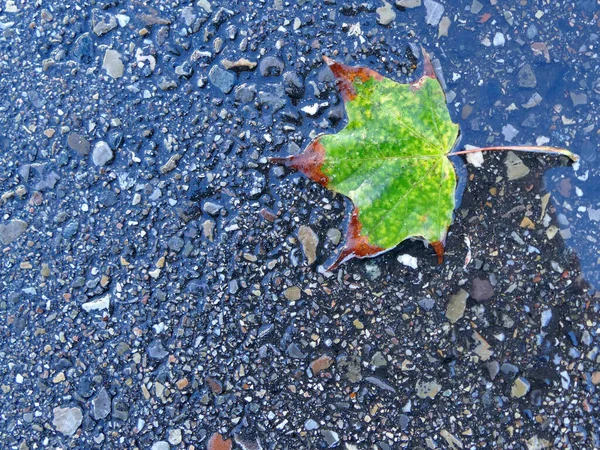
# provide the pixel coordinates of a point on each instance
(476, 7)
(292, 293)
(334, 235)
(456, 306)
(428, 389)
(294, 85)
(310, 425)
(217, 442)
(294, 351)
(331, 438)
(434, 12)
(83, 49)
(98, 304)
(499, 40)
(515, 168)
(161, 445)
(222, 79)
(578, 98)
(520, 387)
(78, 143)
(526, 77)
(102, 154)
(103, 23)
(240, 65)
(385, 14)
(408, 3)
(101, 405)
(67, 420)
(12, 230)
(270, 66)
(493, 368)
(212, 208)
(309, 241)
(175, 436)
(156, 350)
(482, 289)
(320, 364)
(112, 64)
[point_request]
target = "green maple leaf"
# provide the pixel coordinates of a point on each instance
(391, 160)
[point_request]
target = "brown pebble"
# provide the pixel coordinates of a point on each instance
(215, 386)
(216, 442)
(182, 384)
(482, 289)
(321, 363)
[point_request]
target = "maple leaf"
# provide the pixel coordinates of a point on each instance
(391, 160)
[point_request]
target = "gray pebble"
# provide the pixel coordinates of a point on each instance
(310, 425)
(71, 229)
(222, 79)
(294, 351)
(509, 369)
(212, 208)
(294, 85)
(245, 93)
(156, 350)
(102, 23)
(101, 404)
(175, 243)
(161, 445)
(12, 230)
(532, 31)
(102, 154)
(493, 368)
(526, 77)
(331, 438)
(77, 142)
(67, 420)
(270, 66)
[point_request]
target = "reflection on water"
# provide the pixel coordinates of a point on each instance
(576, 196)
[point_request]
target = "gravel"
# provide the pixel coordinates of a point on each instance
(157, 289)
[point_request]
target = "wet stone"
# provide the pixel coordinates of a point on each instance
(482, 289)
(331, 438)
(212, 208)
(101, 405)
(71, 229)
(112, 64)
(378, 360)
(270, 66)
(310, 425)
(526, 77)
(509, 132)
(67, 420)
(294, 85)
(509, 369)
(102, 23)
(309, 241)
(515, 168)
(456, 306)
(408, 3)
(120, 410)
(385, 14)
(320, 364)
(294, 352)
(433, 12)
(175, 243)
(493, 368)
(12, 230)
(102, 154)
(156, 350)
(404, 421)
(578, 98)
(428, 389)
(83, 48)
(520, 387)
(161, 445)
(77, 142)
(245, 93)
(222, 79)
(292, 293)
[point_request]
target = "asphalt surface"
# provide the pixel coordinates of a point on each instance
(161, 281)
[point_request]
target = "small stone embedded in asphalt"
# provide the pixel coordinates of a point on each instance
(515, 168)
(98, 304)
(293, 293)
(112, 64)
(526, 77)
(161, 445)
(408, 3)
(212, 208)
(217, 442)
(434, 12)
(427, 388)
(294, 351)
(309, 241)
(482, 289)
(101, 404)
(156, 350)
(493, 368)
(310, 425)
(83, 49)
(222, 79)
(67, 420)
(385, 14)
(270, 66)
(509, 132)
(331, 438)
(80, 144)
(456, 306)
(71, 229)
(294, 85)
(102, 23)
(320, 364)
(12, 230)
(102, 153)
(520, 387)
(578, 98)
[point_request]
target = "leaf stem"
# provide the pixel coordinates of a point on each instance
(551, 150)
